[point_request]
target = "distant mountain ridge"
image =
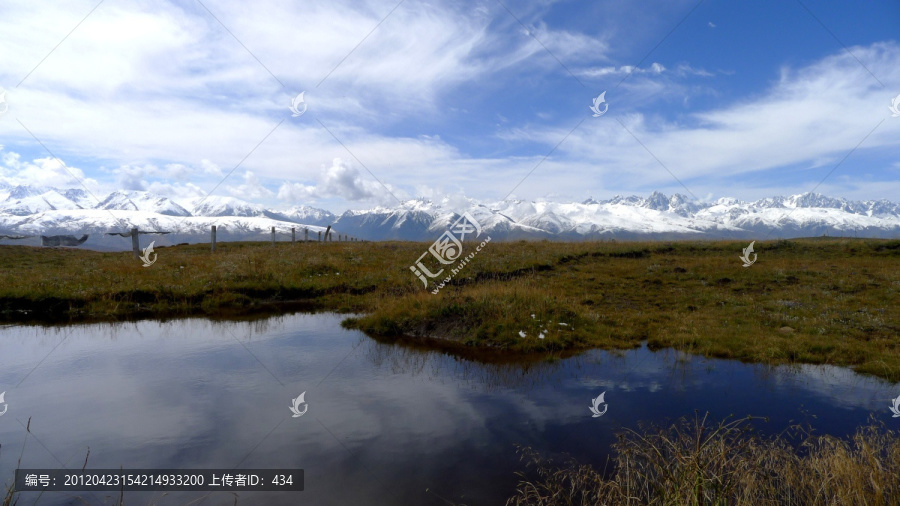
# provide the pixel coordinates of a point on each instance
(33, 210)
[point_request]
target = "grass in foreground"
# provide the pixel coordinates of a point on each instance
(698, 463)
(828, 301)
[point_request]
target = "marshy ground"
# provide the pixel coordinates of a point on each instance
(823, 301)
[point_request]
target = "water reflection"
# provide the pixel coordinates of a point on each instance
(385, 422)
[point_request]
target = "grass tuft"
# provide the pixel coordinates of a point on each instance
(699, 463)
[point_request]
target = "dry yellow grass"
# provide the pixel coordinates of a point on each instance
(699, 463)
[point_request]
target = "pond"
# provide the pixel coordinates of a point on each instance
(382, 423)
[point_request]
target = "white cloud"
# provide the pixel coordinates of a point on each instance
(175, 191)
(134, 178)
(164, 93)
(812, 116)
(567, 45)
(141, 177)
(251, 189)
(685, 69)
(210, 168)
(153, 87)
(297, 192)
(624, 70)
(42, 172)
(340, 180)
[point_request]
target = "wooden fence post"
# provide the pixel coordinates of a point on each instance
(135, 243)
(273, 236)
(305, 234)
(212, 238)
(293, 235)
(320, 236)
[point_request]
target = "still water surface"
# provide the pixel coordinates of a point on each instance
(385, 422)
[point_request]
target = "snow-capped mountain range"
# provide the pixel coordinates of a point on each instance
(35, 211)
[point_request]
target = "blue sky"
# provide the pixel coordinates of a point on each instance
(442, 99)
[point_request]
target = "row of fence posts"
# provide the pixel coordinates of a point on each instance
(329, 236)
(135, 234)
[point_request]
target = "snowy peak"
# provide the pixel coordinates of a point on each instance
(229, 206)
(305, 214)
(82, 198)
(818, 201)
(141, 201)
(214, 205)
(24, 203)
(30, 210)
(657, 201)
(22, 192)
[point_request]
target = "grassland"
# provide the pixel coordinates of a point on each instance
(698, 462)
(830, 301)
